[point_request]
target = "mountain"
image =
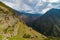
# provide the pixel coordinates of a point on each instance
(49, 23)
(28, 18)
(13, 28)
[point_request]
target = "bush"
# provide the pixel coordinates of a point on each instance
(26, 36)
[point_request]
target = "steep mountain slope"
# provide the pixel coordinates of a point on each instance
(13, 28)
(49, 23)
(28, 18)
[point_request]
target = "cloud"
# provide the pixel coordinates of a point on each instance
(51, 1)
(47, 8)
(9, 4)
(33, 6)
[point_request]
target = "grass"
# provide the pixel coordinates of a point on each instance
(18, 36)
(22, 27)
(2, 4)
(25, 29)
(0, 37)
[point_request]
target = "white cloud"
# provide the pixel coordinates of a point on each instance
(53, 0)
(31, 6)
(47, 8)
(9, 4)
(26, 7)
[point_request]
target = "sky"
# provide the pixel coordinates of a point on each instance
(33, 6)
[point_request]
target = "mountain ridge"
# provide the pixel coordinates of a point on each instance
(48, 24)
(13, 28)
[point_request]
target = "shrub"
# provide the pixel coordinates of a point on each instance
(26, 36)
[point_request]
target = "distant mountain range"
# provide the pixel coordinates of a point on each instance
(28, 18)
(49, 23)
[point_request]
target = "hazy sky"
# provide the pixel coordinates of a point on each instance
(33, 6)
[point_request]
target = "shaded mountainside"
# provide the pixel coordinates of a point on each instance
(49, 23)
(28, 18)
(13, 28)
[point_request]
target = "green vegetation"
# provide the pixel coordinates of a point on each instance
(13, 28)
(0, 37)
(26, 36)
(3, 5)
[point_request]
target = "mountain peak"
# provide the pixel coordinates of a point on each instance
(49, 23)
(53, 11)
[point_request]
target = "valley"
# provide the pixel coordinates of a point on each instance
(15, 25)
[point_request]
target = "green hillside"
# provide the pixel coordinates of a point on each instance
(13, 28)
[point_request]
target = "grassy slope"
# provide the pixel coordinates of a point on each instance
(22, 29)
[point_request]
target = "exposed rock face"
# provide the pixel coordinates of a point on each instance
(9, 22)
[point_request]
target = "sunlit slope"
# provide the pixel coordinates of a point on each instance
(27, 33)
(13, 28)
